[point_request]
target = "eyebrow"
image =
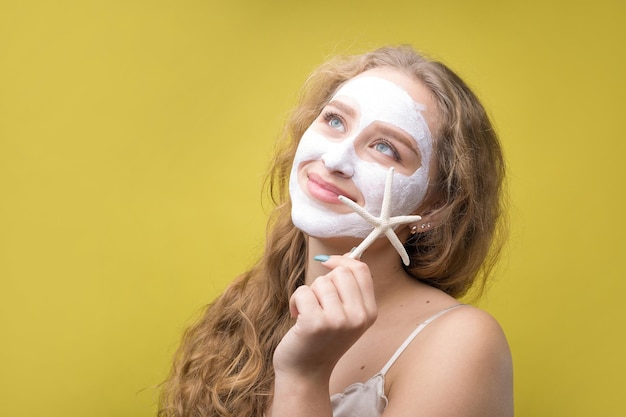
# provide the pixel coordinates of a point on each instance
(400, 134)
(349, 110)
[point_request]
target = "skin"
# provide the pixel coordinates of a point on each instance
(369, 125)
(352, 315)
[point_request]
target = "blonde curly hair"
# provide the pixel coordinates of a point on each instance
(224, 364)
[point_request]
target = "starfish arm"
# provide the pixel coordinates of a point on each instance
(365, 244)
(394, 221)
(384, 210)
(360, 210)
(393, 238)
(383, 224)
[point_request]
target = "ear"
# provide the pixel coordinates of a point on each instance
(433, 216)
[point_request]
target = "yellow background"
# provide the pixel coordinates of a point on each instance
(134, 135)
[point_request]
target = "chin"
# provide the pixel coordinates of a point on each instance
(347, 242)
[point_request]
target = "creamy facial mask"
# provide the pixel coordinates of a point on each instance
(377, 100)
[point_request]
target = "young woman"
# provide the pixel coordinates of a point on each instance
(318, 328)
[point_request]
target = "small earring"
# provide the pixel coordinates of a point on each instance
(423, 226)
(428, 225)
(414, 229)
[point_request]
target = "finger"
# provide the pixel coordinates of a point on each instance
(359, 305)
(355, 253)
(327, 294)
(303, 302)
(334, 261)
(343, 280)
(359, 269)
(361, 275)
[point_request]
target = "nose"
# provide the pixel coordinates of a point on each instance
(340, 159)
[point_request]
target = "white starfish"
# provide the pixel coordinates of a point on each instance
(382, 224)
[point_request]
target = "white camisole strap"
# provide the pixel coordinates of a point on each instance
(413, 335)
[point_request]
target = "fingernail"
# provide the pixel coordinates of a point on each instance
(321, 258)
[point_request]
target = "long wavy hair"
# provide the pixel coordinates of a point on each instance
(223, 366)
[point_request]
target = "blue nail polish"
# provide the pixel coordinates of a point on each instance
(321, 258)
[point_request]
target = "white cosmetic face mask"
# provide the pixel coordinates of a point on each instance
(377, 100)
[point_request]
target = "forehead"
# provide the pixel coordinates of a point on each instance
(361, 85)
(377, 99)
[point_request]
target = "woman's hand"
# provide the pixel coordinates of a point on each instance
(331, 314)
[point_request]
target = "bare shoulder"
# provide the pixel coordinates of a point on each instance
(465, 335)
(460, 365)
(468, 325)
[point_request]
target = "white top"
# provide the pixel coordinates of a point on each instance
(368, 399)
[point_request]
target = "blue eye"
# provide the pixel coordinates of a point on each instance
(335, 121)
(386, 148)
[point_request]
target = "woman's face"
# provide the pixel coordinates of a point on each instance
(373, 122)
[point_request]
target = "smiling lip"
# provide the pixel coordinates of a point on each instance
(324, 191)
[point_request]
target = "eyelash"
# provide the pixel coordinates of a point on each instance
(329, 115)
(396, 154)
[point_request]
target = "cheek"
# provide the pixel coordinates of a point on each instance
(311, 147)
(410, 191)
(370, 177)
(407, 192)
